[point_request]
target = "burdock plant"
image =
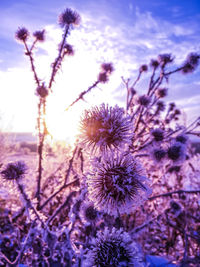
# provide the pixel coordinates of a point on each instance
(103, 198)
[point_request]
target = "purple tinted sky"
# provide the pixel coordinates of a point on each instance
(127, 32)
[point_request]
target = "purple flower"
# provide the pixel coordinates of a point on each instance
(69, 17)
(114, 248)
(182, 138)
(164, 59)
(176, 151)
(159, 154)
(162, 92)
(68, 50)
(14, 171)
(191, 63)
(154, 63)
(105, 127)
(107, 67)
(143, 68)
(22, 34)
(117, 184)
(39, 35)
(144, 100)
(42, 91)
(158, 134)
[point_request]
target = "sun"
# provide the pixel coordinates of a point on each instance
(63, 125)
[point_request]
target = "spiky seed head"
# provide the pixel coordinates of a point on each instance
(143, 68)
(114, 248)
(107, 67)
(22, 34)
(176, 152)
(69, 17)
(42, 91)
(144, 100)
(68, 50)
(158, 134)
(182, 138)
(103, 77)
(117, 184)
(158, 154)
(39, 35)
(105, 127)
(14, 171)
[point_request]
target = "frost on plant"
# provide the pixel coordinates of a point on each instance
(114, 248)
(117, 183)
(105, 127)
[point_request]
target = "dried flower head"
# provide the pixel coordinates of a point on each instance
(14, 171)
(144, 100)
(69, 17)
(182, 138)
(114, 248)
(103, 77)
(107, 67)
(22, 34)
(88, 212)
(39, 35)
(158, 134)
(191, 63)
(105, 127)
(143, 68)
(164, 59)
(42, 91)
(154, 63)
(160, 106)
(158, 154)
(162, 92)
(68, 50)
(176, 152)
(117, 184)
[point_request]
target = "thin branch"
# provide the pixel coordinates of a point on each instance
(174, 192)
(82, 94)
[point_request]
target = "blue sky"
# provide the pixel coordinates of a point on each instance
(126, 32)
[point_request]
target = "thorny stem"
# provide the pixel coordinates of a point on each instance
(29, 54)
(17, 260)
(59, 209)
(57, 60)
(82, 94)
(65, 185)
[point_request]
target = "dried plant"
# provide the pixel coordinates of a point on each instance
(129, 188)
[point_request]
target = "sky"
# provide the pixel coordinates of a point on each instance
(127, 33)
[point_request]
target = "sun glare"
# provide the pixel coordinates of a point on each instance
(63, 125)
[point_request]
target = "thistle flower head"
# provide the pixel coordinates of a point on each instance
(68, 50)
(144, 100)
(158, 134)
(114, 248)
(14, 171)
(154, 63)
(105, 127)
(117, 184)
(176, 152)
(160, 106)
(107, 67)
(182, 138)
(103, 77)
(42, 91)
(162, 92)
(143, 68)
(69, 17)
(39, 35)
(191, 63)
(158, 154)
(164, 59)
(22, 34)
(88, 212)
